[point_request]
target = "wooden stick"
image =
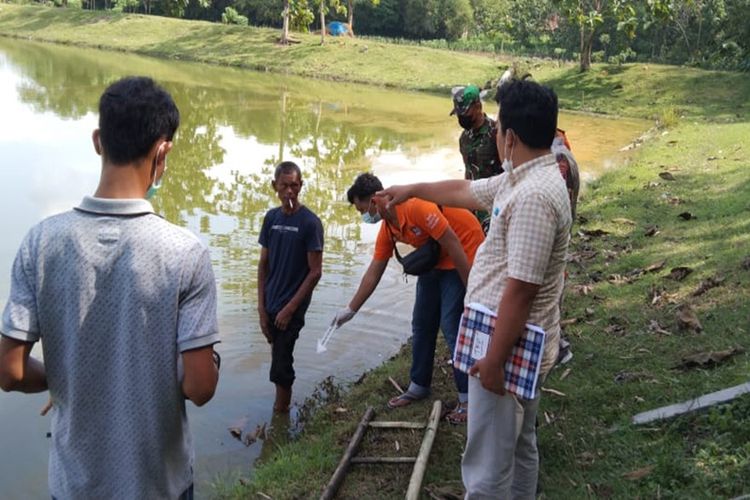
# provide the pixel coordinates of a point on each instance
(46, 408)
(553, 391)
(340, 473)
(395, 384)
(398, 425)
(384, 460)
(415, 483)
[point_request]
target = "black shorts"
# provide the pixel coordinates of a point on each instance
(282, 349)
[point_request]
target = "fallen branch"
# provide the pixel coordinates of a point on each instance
(553, 391)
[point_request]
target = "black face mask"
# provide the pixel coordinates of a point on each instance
(466, 122)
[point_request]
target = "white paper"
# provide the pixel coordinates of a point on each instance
(323, 341)
(480, 345)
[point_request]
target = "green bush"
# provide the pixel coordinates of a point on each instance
(231, 16)
(623, 57)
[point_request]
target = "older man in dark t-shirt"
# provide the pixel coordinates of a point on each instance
(289, 268)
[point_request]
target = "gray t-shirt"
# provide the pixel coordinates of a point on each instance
(115, 293)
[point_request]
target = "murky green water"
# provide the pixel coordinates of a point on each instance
(235, 126)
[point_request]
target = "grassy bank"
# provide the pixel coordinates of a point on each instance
(636, 90)
(343, 59)
(668, 230)
(625, 294)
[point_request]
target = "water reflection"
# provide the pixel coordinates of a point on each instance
(235, 126)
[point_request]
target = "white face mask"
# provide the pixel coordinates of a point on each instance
(507, 165)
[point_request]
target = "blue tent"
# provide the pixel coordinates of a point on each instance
(337, 28)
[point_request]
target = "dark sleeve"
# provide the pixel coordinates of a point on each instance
(314, 237)
(263, 237)
(464, 153)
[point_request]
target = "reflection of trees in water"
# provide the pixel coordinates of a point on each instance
(330, 140)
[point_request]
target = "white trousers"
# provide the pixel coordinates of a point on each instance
(501, 461)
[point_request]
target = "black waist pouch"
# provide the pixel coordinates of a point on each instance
(422, 260)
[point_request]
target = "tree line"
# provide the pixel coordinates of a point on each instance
(707, 33)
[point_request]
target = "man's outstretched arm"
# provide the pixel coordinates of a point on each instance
(451, 193)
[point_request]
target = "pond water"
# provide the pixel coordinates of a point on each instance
(235, 126)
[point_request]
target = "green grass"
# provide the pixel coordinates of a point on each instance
(343, 59)
(634, 90)
(626, 343)
(622, 366)
(301, 468)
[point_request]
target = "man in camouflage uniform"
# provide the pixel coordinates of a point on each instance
(477, 142)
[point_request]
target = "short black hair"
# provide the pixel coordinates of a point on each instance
(530, 109)
(134, 113)
(287, 167)
(364, 185)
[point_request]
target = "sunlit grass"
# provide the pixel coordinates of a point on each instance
(623, 364)
(669, 94)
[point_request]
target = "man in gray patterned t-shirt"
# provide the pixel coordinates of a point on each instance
(124, 304)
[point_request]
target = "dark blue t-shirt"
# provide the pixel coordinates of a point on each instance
(288, 238)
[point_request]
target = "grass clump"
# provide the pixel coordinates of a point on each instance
(668, 117)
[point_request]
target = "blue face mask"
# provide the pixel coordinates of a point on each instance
(156, 184)
(153, 189)
(368, 218)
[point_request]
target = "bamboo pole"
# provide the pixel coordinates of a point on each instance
(398, 425)
(340, 472)
(415, 483)
(395, 384)
(383, 460)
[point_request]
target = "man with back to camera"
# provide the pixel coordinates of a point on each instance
(518, 272)
(478, 141)
(125, 306)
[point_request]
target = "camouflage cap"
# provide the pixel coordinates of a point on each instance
(463, 98)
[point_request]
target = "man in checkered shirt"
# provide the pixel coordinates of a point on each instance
(518, 271)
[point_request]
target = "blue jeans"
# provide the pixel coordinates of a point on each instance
(439, 304)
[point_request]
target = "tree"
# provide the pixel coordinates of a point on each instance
(323, 8)
(350, 10)
(448, 19)
(589, 15)
(285, 28)
(457, 17)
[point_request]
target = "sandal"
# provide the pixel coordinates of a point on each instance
(459, 415)
(402, 400)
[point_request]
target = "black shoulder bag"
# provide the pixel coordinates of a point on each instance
(422, 260)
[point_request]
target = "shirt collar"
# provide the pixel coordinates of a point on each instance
(115, 206)
(546, 160)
